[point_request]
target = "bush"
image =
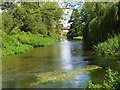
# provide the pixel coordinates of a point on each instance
(109, 47)
(11, 45)
(35, 40)
(21, 41)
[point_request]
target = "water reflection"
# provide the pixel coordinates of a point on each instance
(19, 70)
(66, 58)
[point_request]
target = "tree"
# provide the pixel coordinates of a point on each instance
(36, 17)
(76, 26)
(100, 23)
(11, 16)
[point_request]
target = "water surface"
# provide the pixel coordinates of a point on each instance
(19, 70)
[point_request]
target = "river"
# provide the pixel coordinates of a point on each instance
(19, 70)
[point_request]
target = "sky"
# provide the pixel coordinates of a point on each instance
(68, 12)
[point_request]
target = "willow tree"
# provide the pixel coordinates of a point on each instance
(100, 23)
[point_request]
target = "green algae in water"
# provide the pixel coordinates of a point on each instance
(42, 78)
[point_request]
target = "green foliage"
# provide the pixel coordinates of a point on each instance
(41, 17)
(78, 38)
(112, 81)
(108, 47)
(55, 35)
(21, 41)
(12, 16)
(100, 21)
(11, 45)
(76, 26)
(8, 22)
(36, 17)
(29, 24)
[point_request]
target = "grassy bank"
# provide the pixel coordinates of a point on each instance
(109, 47)
(19, 42)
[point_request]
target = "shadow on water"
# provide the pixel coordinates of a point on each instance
(106, 62)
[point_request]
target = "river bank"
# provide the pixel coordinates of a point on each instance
(20, 42)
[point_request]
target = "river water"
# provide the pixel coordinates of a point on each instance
(19, 70)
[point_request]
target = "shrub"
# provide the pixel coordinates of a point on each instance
(111, 82)
(109, 47)
(20, 42)
(11, 45)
